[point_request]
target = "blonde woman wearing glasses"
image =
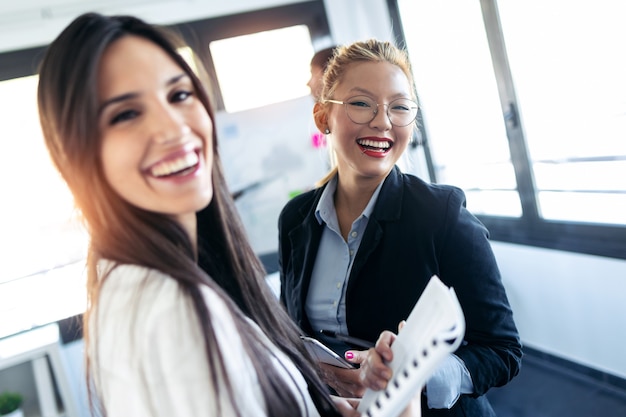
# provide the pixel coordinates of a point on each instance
(356, 253)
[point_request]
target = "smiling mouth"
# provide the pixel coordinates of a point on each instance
(375, 145)
(178, 166)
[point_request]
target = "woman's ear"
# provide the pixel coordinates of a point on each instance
(320, 116)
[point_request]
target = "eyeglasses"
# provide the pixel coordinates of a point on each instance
(362, 110)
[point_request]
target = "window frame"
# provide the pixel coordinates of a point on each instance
(531, 230)
(20, 63)
(200, 33)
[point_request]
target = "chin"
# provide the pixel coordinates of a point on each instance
(204, 202)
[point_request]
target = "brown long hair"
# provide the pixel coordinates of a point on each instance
(125, 234)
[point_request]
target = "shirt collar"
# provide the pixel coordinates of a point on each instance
(326, 206)
(325, 209)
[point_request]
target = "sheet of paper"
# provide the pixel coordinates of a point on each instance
(434, 329)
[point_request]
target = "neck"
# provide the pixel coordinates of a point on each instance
(189, 223)
(351, 198)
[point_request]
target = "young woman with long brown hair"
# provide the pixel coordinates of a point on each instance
(177, 324)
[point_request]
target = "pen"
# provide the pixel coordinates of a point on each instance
(348, 339)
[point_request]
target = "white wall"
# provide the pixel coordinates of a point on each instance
(568, 304)
(30, 23)
(271, 145)
(352, 20)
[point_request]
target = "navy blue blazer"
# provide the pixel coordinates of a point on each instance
(416, 230)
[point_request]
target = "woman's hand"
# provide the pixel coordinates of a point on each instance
(374, 373)
(346, 382)
(352, 383)
(414, 409)
(347, 406)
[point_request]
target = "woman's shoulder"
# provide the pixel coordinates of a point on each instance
(127, 278)
(431, 193)
(147, 333)
(148, 292)
(301, 204)
(419, 184)
(303, 198)
(152, 306)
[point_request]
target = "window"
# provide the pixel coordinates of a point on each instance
(37, 218)
(263, 68)
(523, 107)
(41, 273)
(259, 58)
(569, 78)
(459, 101)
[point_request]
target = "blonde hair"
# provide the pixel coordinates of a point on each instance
(371, 50)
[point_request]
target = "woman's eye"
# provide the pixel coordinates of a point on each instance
(124, 116)
(401, 108)
(181, 96)
(360, 103)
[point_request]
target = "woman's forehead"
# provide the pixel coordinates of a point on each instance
(377, 78)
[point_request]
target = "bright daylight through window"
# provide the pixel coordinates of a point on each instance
(246, 67)
(459, 101)
(573, 105)
(37, 220)
(571, 96)
(44, 245)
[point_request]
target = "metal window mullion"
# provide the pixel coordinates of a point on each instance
(517, 144)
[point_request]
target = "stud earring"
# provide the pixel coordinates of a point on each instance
(327, 131)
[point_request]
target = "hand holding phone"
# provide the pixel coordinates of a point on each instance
(324, 354)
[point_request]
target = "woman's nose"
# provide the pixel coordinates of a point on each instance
(168, 125)
(381, 118)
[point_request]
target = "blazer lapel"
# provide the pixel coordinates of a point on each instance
(369, 243)
(388, 208)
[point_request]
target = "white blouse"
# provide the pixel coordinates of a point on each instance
(148, 356)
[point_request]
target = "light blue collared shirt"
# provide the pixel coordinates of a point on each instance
(326, 300)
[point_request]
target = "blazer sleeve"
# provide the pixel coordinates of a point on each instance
(493, 351)
(284, 247)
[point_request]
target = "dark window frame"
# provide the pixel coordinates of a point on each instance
(20, 63)
(530, 229)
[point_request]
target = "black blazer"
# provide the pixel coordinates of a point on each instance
(416, 230)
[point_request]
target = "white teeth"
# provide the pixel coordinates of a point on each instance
(175, 165)
(374, 143)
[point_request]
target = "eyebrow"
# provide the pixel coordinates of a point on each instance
(359, 90)
(129, 96)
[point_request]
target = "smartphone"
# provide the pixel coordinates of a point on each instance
(324, 354)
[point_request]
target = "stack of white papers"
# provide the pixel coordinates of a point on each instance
(434, 329)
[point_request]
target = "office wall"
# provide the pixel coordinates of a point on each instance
(568, 304)
(269, 153)
(29, 23)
